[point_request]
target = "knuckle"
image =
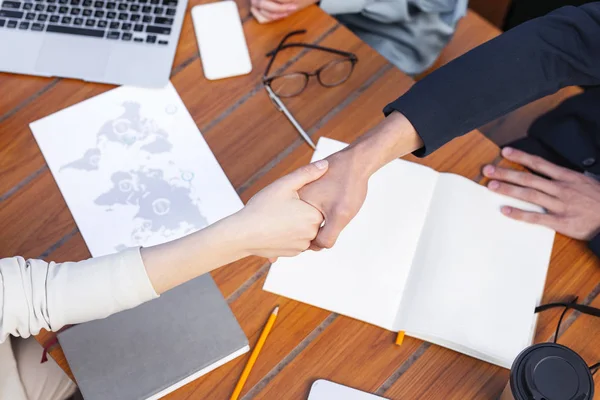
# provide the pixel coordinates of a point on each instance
(344, 211)
(501, 173)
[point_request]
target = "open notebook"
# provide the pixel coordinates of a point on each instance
(430, 254)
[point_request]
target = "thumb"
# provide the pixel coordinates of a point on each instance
(304, 175)
(328, 234)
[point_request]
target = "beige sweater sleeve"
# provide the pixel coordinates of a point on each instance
(35, 294)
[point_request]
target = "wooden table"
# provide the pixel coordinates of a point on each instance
(255, 144)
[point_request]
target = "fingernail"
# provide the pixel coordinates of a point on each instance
(493, 185)
(489, 170)
(507, 151)
(321, 164)
(506, 210)
(292, 7)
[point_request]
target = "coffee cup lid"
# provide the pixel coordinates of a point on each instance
(550, 371)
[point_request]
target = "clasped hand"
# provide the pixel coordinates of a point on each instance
(276, 222)
(287, 216)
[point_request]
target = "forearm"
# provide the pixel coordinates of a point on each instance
(521, 65)
(171, 264)
(35, 294)
(392, 138)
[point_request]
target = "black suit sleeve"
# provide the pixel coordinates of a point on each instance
(524, 64)
(594, 245)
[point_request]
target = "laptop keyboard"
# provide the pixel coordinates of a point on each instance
(148, 21)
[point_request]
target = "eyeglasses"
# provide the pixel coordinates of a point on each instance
(331, 74)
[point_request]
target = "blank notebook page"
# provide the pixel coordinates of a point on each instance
(363, 275)
(477, 275)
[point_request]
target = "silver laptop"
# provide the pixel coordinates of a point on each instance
(123, 42)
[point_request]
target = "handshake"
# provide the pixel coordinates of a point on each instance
(306, 209)
(309, 208)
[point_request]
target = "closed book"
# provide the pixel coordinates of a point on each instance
(153, 349)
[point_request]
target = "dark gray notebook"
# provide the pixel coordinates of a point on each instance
(151, 350)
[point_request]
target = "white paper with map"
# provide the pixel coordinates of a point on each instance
(134, 169)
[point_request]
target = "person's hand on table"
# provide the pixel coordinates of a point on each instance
(272, 10)
(572, 200)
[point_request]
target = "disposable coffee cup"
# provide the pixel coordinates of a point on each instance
(549, 371)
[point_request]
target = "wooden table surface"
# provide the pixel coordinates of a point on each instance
(255, 144)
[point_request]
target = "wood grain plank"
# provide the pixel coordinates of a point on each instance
(36, 217)
(493, 11)
(20, 156)
(439, 371)
(349, 352)
(17, 89)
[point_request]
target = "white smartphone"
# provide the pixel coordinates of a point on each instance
(223, 49)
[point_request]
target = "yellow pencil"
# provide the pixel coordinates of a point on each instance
(254, 355)
(400, 338)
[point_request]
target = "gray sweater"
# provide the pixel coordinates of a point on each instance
(409, 33)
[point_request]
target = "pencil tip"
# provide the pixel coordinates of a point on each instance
(276, 310)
